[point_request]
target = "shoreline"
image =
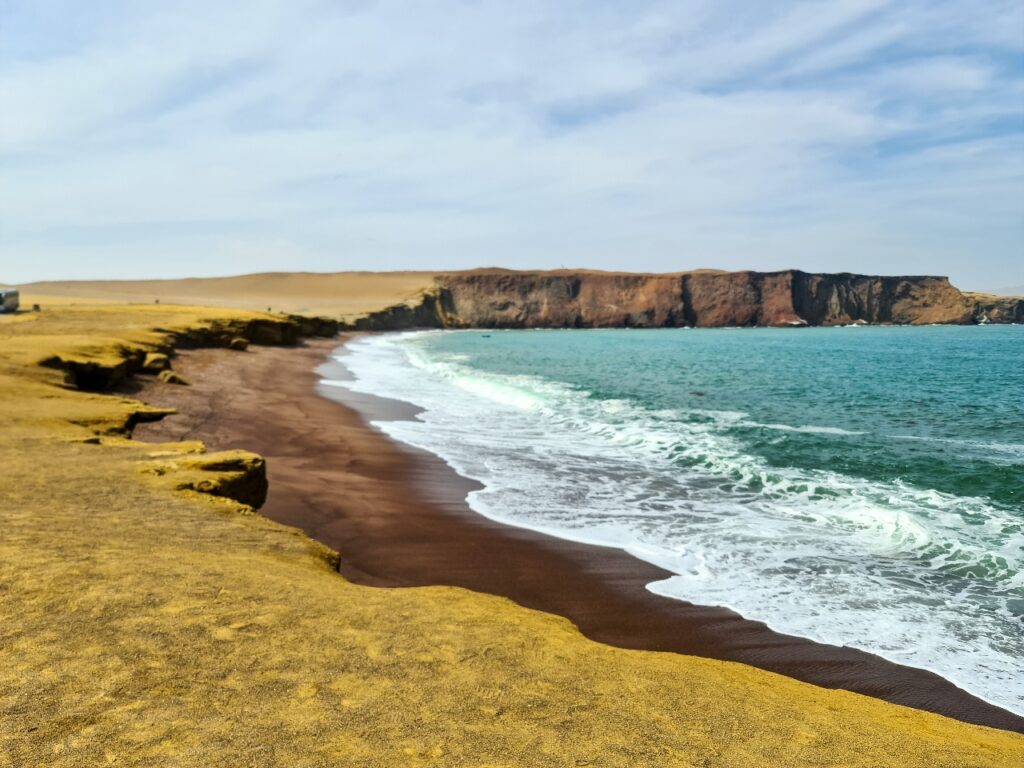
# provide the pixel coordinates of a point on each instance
(398, 517)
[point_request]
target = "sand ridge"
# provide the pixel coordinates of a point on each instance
(344, 295)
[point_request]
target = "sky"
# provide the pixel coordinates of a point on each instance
(142, 139)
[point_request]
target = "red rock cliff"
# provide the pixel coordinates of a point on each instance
(586, 299)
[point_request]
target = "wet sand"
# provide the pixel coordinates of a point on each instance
(398, 517)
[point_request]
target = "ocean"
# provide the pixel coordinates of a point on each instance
(859, 486)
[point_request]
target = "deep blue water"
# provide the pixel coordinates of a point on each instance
(860, 486)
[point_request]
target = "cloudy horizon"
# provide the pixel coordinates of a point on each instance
(143, 140)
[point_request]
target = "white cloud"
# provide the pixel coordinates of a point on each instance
(655, 135)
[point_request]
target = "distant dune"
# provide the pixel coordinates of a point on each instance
(1013, 290)
(339, 294)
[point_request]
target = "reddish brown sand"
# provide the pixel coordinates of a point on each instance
(399, 518)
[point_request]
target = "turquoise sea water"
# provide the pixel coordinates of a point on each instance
(859, 486)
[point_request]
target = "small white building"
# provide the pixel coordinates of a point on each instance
(9, 299)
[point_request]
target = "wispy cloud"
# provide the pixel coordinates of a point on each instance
(202, 138)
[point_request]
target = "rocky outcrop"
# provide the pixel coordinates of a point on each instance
(429, 311)
(93, 372)
(845, 298)
(106, 367)
(156, 362)
(237, 475)
(171, 377)
(997, 309)
(584, 299)
(272, 331)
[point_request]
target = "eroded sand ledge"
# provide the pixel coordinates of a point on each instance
(140, 624)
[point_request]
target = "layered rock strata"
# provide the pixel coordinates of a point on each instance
(569, 299)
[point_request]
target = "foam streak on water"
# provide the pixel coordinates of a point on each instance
(919, 575)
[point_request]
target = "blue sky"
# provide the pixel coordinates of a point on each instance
(144, 139)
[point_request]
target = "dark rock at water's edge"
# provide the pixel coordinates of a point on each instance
(790, 298)
(430, 311)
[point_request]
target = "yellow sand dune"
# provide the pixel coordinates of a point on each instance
(142, 625)
(339, 294)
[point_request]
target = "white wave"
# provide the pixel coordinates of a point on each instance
(1015, 450)
(805, 428)
(816, 553)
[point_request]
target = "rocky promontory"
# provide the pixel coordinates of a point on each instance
(497, 298)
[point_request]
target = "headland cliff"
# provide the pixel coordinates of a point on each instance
(497, 298)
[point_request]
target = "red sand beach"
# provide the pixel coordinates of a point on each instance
(398, 517)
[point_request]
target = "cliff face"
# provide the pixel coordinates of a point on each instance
(997, 309)
(429, 312)
(845, 298)
(566, 299)
(561, 300)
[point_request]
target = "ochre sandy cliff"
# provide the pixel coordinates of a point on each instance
(583, 299)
